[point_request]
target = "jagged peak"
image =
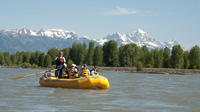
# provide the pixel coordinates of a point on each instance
(174, 42)
(14, 30)
(55, 30)
(140, 31)
(24, 31)
(141, 34)
(115, 34)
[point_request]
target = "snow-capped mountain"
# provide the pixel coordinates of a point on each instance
(31, 40)
(42, 40)
(52, 33)
(140, 38)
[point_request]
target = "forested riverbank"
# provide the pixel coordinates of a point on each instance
(110, 55)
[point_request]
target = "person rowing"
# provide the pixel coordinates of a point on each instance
(60, 64)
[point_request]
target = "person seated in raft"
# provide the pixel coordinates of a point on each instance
(94, 71)
(73, 72)
(60, 64)
(85, 72)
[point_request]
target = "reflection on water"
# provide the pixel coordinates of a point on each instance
(128, 92)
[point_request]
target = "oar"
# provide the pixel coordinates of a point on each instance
(31, 74)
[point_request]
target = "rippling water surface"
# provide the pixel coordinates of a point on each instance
(128, 92)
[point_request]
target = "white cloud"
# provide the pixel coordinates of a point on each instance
(119, 11)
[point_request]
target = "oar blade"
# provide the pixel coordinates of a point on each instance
(18, 78)
(31, 75)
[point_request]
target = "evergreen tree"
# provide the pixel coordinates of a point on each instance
(47, 61)
(2, 61)
(90, 54)
(19, 56)
(110, 53)
(34, 58)
(13, 59)
(37, 54)
(69, 63)
(158, 58)
(78, 53)
(98, 55)
(139, 66)
(128, 55)
(186, 60)
(123, 58)
(26, 57)
(66, 53)
(7, 58)
(150, 59)
(194, 57)
(82, 53)
(143, 54)
(74, 53)
(177, 57)
(41, 59)
(53, 52)
(166, 57)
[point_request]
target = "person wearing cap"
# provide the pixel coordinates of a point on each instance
(60, 64)
(94, 71)
(85, 72)
(72, 72)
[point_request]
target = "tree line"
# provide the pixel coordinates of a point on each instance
(129, 55)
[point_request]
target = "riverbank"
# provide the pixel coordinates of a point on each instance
(134, 70)
(151, 70)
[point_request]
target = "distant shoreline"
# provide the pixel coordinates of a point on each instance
(152, 70)
(170, 71)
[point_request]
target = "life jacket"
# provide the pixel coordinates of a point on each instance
(95, 73)
(73, 74)
(84, 73)
(60, 61)
(70, 72)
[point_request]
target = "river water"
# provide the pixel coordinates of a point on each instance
(128, 92)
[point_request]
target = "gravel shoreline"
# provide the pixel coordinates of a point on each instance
(151, 70)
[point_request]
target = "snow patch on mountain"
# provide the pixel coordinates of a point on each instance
(52, 33)
(139, 37)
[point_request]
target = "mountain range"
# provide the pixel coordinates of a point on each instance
(14, 40)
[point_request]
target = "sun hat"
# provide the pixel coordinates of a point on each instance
(85, 65)
(74, 65)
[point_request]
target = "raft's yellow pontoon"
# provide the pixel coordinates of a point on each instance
(82, 82)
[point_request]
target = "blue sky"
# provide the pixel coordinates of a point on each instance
(161, 19)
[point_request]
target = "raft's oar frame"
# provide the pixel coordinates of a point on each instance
(32, 74)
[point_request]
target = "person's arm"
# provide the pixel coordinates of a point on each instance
(92, 72)
(67, 70)
(55, 58)
(64, 59)
(88, 72)
(76, 70)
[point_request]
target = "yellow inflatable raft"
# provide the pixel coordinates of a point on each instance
(95, 81)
